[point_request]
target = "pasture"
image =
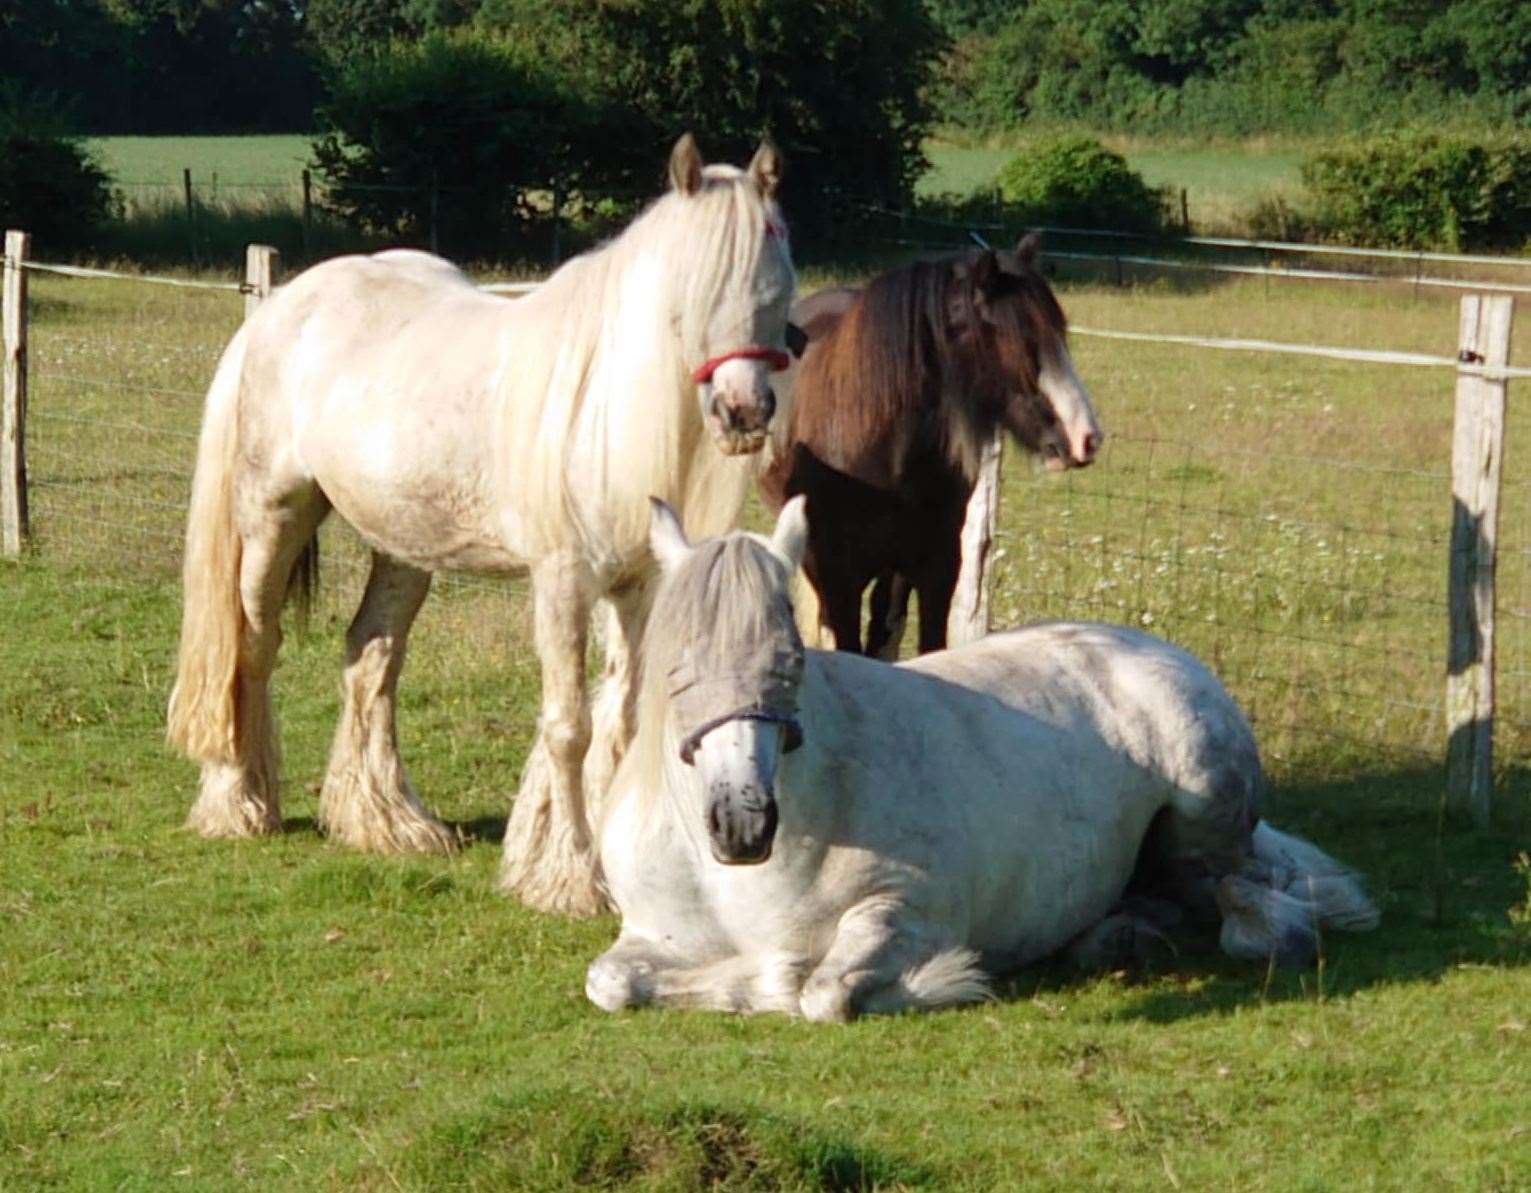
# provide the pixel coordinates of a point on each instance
(181, 1013)
(1222, 181)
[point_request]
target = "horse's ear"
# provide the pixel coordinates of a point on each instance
(985, 273)
(667, 538)
(765, 169)
(686, 166)
(1026, 250)
(790, 538)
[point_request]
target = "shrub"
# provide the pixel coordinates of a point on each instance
(839, 87)
(1078, 182)
(1425, 191)
(50, 186)
(466, 129)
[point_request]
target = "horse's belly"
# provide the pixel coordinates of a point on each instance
(416, 485)
(1052, 836)
(1049, 883)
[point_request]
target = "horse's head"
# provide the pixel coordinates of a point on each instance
(1043, 403)
(723, 641)
(731, 244)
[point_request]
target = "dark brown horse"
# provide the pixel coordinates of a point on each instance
(902, 385)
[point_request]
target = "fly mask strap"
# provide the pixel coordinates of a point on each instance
(760, 688)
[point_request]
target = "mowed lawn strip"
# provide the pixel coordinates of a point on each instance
(282, 1013)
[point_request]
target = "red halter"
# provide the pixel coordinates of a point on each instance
(775, 357)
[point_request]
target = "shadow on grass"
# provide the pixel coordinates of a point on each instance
(1445, 890)
(556, 1139)
(479, 830)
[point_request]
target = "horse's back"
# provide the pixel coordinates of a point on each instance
(378, 378)
(820, 313)
(1146, 692)
(1151, 701)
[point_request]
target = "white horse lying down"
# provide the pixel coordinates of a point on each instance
(945, 819)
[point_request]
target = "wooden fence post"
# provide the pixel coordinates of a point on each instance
(1477, 453)
(13, 415)
(308, 214)
(260, 273)
(968, 619)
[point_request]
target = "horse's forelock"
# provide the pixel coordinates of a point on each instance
(725, 599)
(728, 590)
(712, 237)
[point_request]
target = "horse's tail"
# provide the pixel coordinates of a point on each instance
(945, 980)
(1288, 891)
(203, 717)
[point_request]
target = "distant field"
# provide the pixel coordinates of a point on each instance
(1221, 182)
(1220, 179)
(236, 161)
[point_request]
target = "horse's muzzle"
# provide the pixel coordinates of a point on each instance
(1059, 455)
(739, 423)
(741, 826)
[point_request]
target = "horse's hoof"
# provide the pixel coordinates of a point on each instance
(826, 1000)
(618, 985)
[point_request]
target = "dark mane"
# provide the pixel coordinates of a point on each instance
(895, 406)
(922, 353)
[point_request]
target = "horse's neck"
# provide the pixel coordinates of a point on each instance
(614, 390)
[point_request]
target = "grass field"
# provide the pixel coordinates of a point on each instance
(196, 1015)
(254, 161)
(1221, 181)
(260, 175)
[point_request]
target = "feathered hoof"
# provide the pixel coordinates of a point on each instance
(1125, 940)
(246, 820)
(227, 807)
(826, 1000)
(1262, 924)
(371, 819)
(563, 886)
(616, 985)
(397, 834)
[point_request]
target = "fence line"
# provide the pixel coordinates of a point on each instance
(1481, 372)
(1282, 246)
(1323, 275)
(1495, 372)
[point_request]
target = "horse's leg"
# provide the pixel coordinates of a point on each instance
(880, 962)
(636, 973)
(889, 615)
(548, 861)
(240, 798)
(367, 801)
(839, 605)
(615, 717)
(935, 584)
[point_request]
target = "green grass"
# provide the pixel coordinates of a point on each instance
(257, 189)
(250, 161)
(285, 1014)
(1222, 181)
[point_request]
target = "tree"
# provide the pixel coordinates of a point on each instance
(458, 130)
(837, 84)
(51, 186)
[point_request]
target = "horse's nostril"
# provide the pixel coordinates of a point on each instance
(1088, 448)
(769, 404)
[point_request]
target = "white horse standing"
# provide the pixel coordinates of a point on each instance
(459, 431)
(945, 819)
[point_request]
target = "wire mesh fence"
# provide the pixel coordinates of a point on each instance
(117, 377)
(1286, 519)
